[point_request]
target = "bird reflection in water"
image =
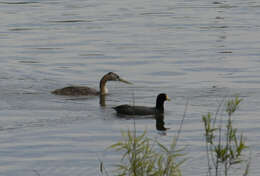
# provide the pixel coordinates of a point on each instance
(158, 117)
(102, 100)
(160, 122)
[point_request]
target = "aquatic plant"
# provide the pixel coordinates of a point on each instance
(224, 150)
(145, 156)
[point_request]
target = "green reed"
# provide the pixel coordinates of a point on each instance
(144, 156)
(224, 146)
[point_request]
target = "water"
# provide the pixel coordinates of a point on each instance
(199, 51)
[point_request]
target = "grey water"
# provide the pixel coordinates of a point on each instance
(198, 52)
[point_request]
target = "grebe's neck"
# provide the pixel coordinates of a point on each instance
(102, 86)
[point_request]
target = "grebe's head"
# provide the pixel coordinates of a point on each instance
(111, 76)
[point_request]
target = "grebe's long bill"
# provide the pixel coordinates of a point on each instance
(84, 90)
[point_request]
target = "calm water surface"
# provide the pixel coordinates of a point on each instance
(201, 51)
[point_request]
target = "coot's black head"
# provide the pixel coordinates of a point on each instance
(161, 98)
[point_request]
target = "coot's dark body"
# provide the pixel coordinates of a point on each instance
(135, 110)
(143, 110)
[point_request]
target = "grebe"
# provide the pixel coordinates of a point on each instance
(83, 90)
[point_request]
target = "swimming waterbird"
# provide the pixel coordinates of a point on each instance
(143, 110)
(84, 90)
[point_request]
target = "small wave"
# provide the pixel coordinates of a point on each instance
(19, 2)
(70, 21)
